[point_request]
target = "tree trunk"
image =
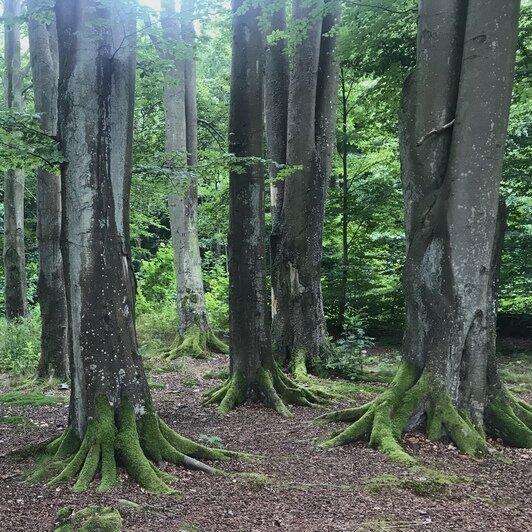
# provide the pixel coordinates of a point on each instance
(111, 412)
(254, 373)
(345, 206)
(455, 111)
(14, 254)
(299, 330)
(51, 288)
(194, 334)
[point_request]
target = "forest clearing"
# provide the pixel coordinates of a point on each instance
(266, 265)
(296, 486)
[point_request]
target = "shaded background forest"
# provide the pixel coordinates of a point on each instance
(364, 235)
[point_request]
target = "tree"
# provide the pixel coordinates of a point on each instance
(14, 253)
(454, 116)
(52, 296)
(111, 412)
(299, 332)
(181, 122)
(254, 372)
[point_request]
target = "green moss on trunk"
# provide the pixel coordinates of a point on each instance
(197, 343)
(384, 419)
(135, 443)
(271, 387)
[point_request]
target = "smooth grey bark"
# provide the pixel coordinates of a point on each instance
(298, 328)
(254, 372)
(194, 333)
(276, 81)
(466, 54)
(51, 287)
(95, 106)
(454, 116)
(14, 252)
(111, 415)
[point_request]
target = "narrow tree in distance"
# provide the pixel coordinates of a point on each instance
(195, 335)
(454, 116)
(112, 419)
(51, 288)
(254, 372)
(14, 252)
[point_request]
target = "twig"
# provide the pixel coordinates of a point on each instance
(434, 132)
(382, 8)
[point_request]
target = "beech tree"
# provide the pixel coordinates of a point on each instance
(111, 418)
(254, 372)
(52, 295)
(181, 122)
(454, 116)
(14, 253)
(305, 124)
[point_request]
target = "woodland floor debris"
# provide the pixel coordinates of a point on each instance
(296, 487)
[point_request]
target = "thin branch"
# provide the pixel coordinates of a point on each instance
(434, 132)
(382, 8)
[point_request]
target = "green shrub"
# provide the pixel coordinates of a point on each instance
(20, 344)
(157, 329)
(217, 291)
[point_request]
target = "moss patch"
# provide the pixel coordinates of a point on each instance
(422, 481)
(14, 420)
(29, 399)
(90, 519)
(222, 374)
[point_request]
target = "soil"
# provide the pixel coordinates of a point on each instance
(306, 489)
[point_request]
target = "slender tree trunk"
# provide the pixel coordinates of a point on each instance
(455, 112)
(345, 207)
(254, 373)
(111, 412)
(299, 330)
(14, 254)
(52, 296)
(194, 333)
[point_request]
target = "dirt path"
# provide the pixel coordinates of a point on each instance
(306, 488)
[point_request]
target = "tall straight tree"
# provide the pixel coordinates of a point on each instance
(52, 295)
(14, 253)
(254, 372)
(194, 334)
(299, 332)
(454, 117)
(111, 414)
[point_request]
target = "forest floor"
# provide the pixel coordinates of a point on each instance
(297, 487)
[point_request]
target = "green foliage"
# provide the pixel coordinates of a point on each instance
(20, 344)
(156, 329)
(216, 281)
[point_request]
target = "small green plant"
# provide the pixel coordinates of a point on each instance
(190, 382)
(212, 441)
(347, 359)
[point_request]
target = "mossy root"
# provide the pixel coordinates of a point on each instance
(384, 419)
(196, 343)
(272, 387)
(137, 444)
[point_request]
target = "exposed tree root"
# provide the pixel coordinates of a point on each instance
(384, 419)
(272, 387)
(197, 343)
(136, 443)
(511, 420)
